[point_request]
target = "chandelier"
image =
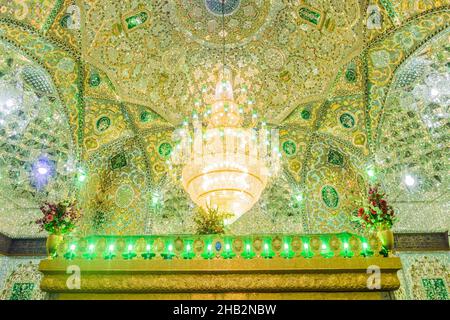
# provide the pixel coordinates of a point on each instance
(225, 165)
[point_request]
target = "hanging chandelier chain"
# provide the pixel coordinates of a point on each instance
(223, 37)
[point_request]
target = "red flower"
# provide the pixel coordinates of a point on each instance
(360, 212)
(49, 217)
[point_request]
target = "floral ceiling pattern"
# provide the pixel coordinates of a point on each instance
(104, 83)
(166, 60)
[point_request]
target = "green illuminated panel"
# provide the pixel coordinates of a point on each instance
(189, 247)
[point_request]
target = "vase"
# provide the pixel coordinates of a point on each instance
(387, 239)
(53, 241)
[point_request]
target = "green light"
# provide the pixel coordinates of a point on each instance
(208, 254)
(287, 253)
(188, 253)
(71, 253)
(248, 253)
(268, 253)
(366, 252)
(306, 253)
(346, 253)
(129, 254)
(228, 253)
(325, 252)
(227, 247)
(168, 253)
(110, 254)
(148, 255)
(90, 254)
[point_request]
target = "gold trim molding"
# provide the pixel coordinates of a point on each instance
(157, 279)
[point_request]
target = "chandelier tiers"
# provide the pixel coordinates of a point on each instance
(225, 165)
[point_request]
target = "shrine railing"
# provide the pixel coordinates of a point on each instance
(168, 247)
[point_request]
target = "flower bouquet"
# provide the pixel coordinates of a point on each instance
(58, 219)
(377, 216)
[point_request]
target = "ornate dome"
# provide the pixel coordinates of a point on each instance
(100, 86)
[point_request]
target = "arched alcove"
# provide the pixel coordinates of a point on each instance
(412, 148)
(37, 157)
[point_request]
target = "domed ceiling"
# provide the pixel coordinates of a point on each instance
(99, 87)
(285, 52)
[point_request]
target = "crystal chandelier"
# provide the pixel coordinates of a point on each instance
(224, 164)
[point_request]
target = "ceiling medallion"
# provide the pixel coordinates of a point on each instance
(201, 22)
(222, 7)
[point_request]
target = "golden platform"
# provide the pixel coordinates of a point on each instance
(341, 266)
(321, 278)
